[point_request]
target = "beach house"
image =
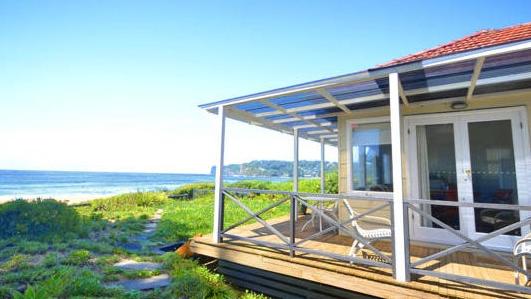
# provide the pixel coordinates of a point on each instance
(434, 178)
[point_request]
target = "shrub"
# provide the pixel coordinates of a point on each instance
(6, 292)
(68, 283)
(87, 283)
(37, 219)
(108, 260)
(124, 201)
(190, 280)
(60, 246)
(32, 247)
(78, 257)
(51, 260)
(52, 287)
(251, 295)
(331, 183)
(16, 262)
(187, 190)
(26, 275)
(8, 252)
(252, 184)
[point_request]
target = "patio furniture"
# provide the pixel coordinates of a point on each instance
(327, 210)
(521, 249)
(370, 234)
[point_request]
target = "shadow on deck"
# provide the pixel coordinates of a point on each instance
(374, 281)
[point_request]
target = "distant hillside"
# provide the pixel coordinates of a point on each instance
(274, 168)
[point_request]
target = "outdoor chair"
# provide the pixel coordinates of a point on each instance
(370, 234)
(331, 211)
(521, 249)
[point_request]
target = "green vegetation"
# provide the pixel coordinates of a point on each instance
(31, 220)
(275, 168)
(193, 281)
(72, 252)
(78, 257)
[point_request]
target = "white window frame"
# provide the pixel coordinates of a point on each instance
(349, 123)
(523, 167)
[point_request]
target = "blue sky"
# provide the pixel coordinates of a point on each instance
(114, 85)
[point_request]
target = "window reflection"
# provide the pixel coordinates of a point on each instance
(371, 157)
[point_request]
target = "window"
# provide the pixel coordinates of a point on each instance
(371, 157)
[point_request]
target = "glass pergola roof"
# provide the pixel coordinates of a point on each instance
(313, 108)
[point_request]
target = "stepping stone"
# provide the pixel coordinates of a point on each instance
(149, 230)
(154, 282)
(134, 265)
(151, 225)
(158, 215)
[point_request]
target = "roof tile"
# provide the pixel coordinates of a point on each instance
(481, 39)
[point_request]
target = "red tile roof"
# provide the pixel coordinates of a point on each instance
(483, 38)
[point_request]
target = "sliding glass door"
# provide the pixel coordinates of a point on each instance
(475, 156)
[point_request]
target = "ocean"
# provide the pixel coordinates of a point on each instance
(79, 185)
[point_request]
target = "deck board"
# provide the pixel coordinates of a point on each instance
(369, 280)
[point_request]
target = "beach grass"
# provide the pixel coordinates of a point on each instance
(39, 259)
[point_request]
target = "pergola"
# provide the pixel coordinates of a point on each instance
(311, 110)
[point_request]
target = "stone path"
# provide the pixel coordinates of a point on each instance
(134, 265)
(140, 242)
(143, 284)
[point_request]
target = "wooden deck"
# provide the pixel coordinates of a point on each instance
(367, 280)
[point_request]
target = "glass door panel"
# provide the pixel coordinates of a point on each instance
(493, 173)
(437, 172)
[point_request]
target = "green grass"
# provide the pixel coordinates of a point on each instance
(74, 258)
(183, 219)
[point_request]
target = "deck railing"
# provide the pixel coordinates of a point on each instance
(413, 207)
(314, 202)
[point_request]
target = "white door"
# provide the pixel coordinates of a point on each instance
(474, 156)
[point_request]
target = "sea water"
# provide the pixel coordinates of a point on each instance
(85, 185)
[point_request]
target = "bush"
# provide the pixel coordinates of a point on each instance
(78, 257)
(88, 284)
(16, 262)
(51, 259)
(32, 247)
(124, 201)
(190, 280)
(252, 295)
(50, 288)
(252, 184)
(187, 191)
(26, 275)
(331, 183)
(37, 219)
(6, 292)
(68, 283)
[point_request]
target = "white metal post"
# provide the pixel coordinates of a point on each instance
(322, 165)
(400, 223)
(295, 160)
(321, 204)
(218, 196)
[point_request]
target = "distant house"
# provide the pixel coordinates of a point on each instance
(437, 142)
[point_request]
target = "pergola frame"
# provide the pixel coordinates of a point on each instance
(322, 88)
(326, 134)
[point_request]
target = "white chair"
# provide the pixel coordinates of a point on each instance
(327, 210)
(521, 249)
(372, 234)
